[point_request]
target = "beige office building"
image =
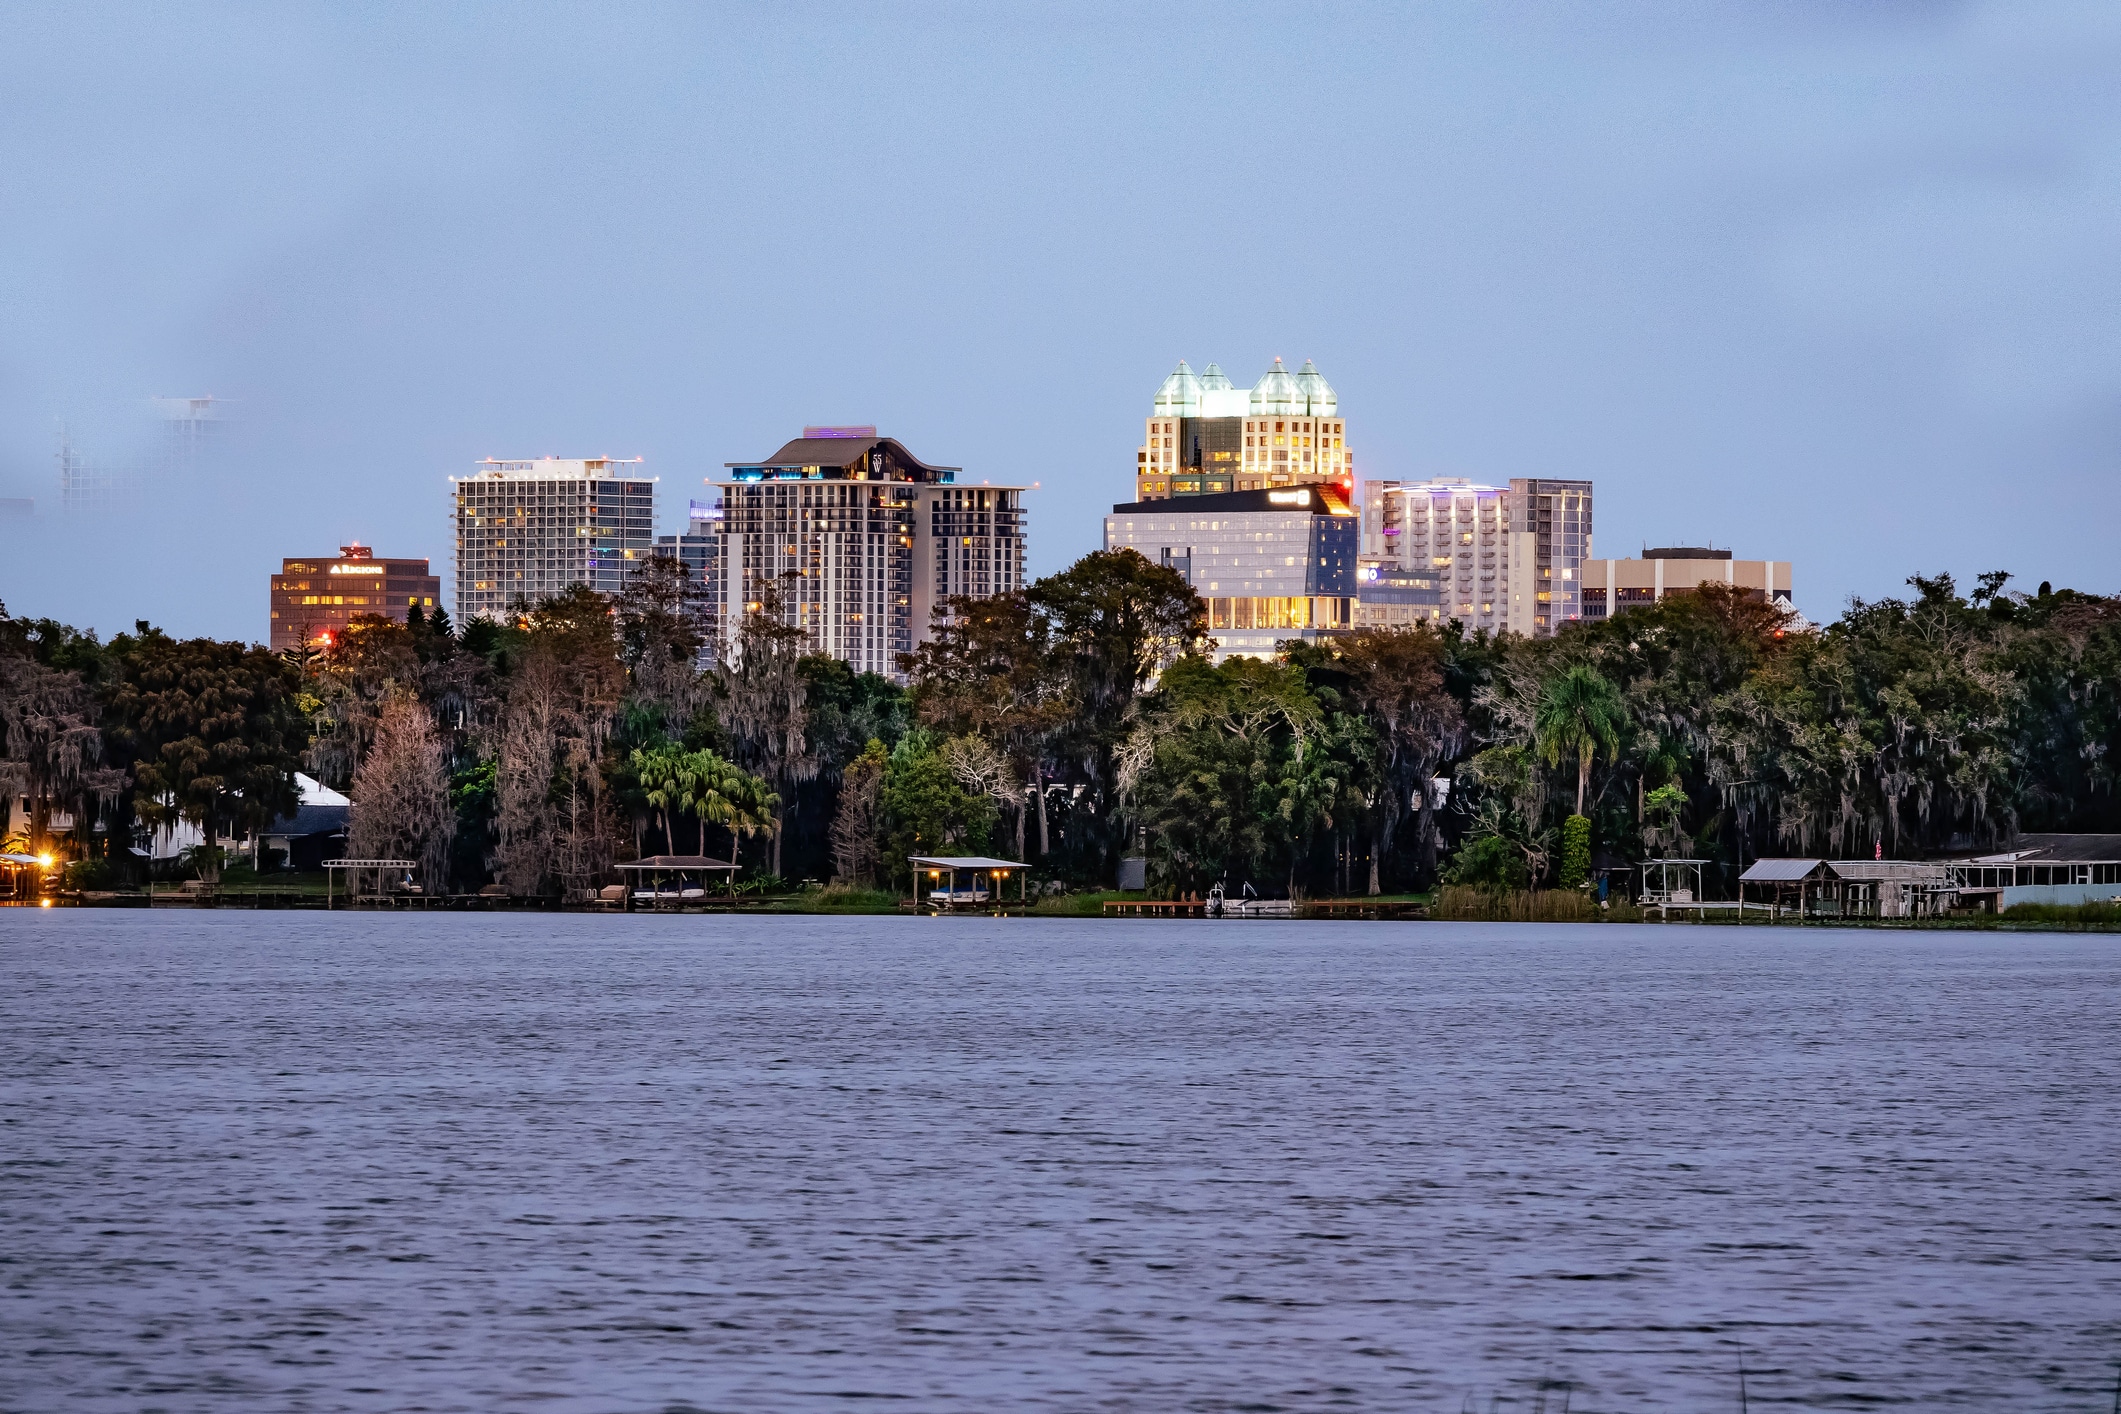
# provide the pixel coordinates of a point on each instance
(1611, 586)
(1208, 437)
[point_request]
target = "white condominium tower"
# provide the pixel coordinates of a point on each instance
(530, 529)
(1501, 557)
(864, 541)
(1206, 436)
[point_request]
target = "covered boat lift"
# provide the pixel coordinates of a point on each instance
(1853, 888)
(966, 881)
(683, 868)
(381, 891)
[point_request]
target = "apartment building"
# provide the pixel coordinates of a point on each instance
(529, 529)
(863, 541)
(1500, 557)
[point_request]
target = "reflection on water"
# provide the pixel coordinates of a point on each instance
(596, 1163)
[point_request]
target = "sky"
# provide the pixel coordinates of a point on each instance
(1829, 283)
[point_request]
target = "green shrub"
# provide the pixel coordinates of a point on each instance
(1490, 862)
(90, 874)
(1576, 852)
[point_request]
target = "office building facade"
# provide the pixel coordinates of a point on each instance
(1207, 437)
(1502, 557)
(1390, 595)
(1271, 564)
(863, 541)
(314, 598)
(1614, 586)
(529, 529)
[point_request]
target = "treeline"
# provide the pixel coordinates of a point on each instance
(1076, 722)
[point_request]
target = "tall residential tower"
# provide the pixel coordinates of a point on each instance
(1500, 557)
(529, 529)
(863, 541)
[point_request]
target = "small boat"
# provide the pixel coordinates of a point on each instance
(1250, 906)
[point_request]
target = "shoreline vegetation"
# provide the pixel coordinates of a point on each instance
(1423, 771)
(1451, 904)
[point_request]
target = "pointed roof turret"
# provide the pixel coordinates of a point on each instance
(1213, 379)
(1275, 394)
(1315, 394)
(1179, 396)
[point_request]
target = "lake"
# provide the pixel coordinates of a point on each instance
(297, 1161)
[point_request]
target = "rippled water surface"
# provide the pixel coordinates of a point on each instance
(289, 1162)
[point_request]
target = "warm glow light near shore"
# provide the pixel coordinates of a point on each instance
(44, 903)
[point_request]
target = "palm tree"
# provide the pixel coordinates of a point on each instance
(661, 770)
(1579, 714)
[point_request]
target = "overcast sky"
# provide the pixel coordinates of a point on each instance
(1832, 283)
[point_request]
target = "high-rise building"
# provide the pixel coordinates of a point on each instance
(1270, 564)
(191, 429)
(1614, 586)
(1548, 548)
(863, 541)
(313, 599)
(529, 529)
(699, 549)
(1206, 436)
(1452, 531)
(1501, 557)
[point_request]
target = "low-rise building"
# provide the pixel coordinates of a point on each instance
(1613, 586)
(1389, 595)
(1270, 564)
(313, 599)
(2055, 869)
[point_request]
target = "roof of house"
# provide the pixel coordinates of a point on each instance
(310, 820)
(1779, 871)
(2069, 849)
(965, 861)
(676, 863)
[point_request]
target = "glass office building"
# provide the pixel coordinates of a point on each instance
(1270, 564)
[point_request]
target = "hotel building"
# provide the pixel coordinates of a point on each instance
(1206, 437)
(314, 599)
(1613, 586)
(865, 540)
(1502, 557)
(529, 529)
(1271, 564)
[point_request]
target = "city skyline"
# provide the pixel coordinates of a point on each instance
(1732, 270)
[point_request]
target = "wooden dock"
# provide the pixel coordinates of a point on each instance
(1154, 908)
